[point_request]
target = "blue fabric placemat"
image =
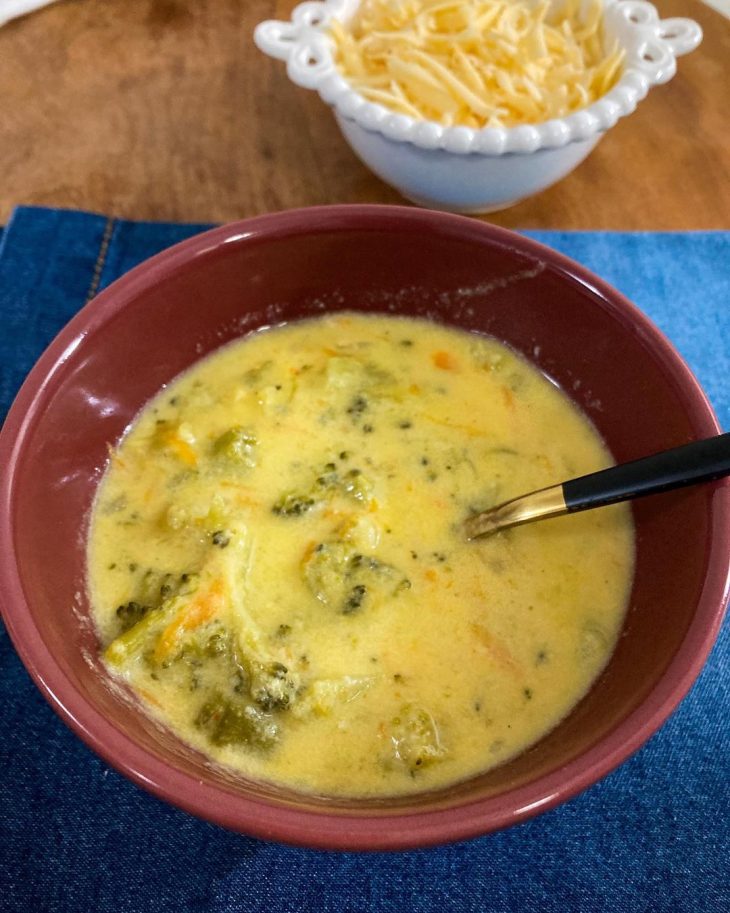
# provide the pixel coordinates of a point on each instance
(653, 837)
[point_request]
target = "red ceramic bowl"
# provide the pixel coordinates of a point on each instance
(157, 320)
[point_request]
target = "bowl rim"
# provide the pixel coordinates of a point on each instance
(651, 46)
(323, 828)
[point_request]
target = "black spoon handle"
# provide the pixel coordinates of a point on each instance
(700, 461)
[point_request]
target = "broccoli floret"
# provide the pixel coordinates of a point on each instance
(152, 590)
(231, 721)
(212, 656)
(136, 637)
(130, 613)
(272, 688)
(242, 685)
(221, 538)
(218, 644)
(356, 379)
(266, 686)
(344, 373)
(355, 600)
(254, 375)
(356, 485)
(237, 446)
(324, 696)
(347, 580)
(357, 405)
(326, 484)
(415, 738)
(293, 505)
(326, 570)
(328, 479)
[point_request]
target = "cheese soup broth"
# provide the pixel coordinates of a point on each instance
(278, 569)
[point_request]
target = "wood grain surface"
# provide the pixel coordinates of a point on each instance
(164, 109)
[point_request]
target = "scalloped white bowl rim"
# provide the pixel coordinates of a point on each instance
(651, 45)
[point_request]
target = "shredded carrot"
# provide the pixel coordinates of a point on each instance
(116, 459)
(445, 361)
(509, 398)
(243, 500)
(467, 429)
(242, 493)
(190, 617)
(332, 353)
(495, 648)
(308, 551)
(148, 696)
(244, 489)
(182, 450)
(430, 574)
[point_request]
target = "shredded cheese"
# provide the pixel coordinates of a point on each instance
(477, 63)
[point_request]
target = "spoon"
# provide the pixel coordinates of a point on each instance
(700, 461)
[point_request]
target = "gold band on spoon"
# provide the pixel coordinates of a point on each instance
(547, 502)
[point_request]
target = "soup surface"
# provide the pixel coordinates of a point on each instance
(278, 569)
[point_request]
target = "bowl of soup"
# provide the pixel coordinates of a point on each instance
(236, 484)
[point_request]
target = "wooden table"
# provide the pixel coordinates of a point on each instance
(164, 109)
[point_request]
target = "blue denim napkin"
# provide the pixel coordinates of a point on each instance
(653, 837)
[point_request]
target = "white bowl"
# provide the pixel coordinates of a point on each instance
(459, 168)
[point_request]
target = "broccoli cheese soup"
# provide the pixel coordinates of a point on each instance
(278, 566)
